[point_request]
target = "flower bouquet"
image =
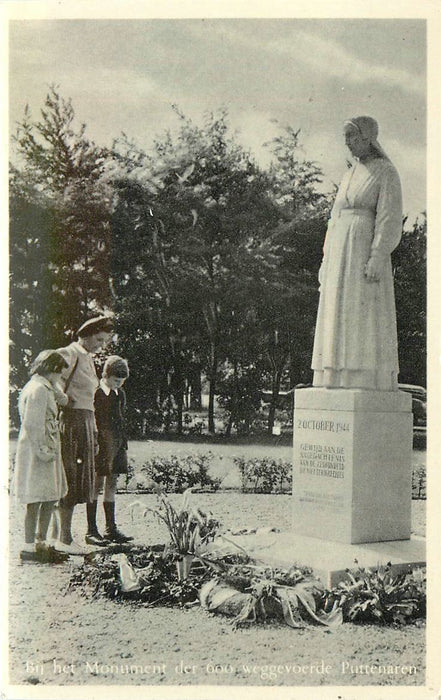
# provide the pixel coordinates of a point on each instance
(189, 528)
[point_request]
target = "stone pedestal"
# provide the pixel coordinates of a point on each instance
(330, 561)
(352, 479)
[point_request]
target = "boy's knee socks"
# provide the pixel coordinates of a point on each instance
(109, 511)
(91, 517)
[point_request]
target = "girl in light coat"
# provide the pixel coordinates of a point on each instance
(40, 480)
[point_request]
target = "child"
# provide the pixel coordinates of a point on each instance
(110, 401)
(40, 480)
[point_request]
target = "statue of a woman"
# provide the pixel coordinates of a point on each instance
(355, 343)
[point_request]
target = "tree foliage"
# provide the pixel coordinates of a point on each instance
(59, 224)
(409, 261)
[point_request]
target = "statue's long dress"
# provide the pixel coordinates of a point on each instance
(355, 343)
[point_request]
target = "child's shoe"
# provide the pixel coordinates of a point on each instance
(28, 552)
(72, 548)
(112, 534)
(47, 554)
(94, 538)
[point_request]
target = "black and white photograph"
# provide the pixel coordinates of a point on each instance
(219, 351)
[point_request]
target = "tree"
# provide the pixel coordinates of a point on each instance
(287, 314)
(197, 198)
(153, 295)
(58, 171)
(409, 264)
(31, 280)
(59, 231)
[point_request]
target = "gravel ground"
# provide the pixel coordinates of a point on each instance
(60, 638)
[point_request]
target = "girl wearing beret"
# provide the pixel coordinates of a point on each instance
(78, 428)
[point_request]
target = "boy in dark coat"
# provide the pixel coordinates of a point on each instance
(110, 402)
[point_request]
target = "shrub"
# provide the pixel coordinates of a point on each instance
(175, 473)
(126, 480)
(265, 475)
(258, 475)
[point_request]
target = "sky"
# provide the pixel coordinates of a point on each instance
(311, 74)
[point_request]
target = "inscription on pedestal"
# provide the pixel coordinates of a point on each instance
(321, 461)
(332, 501)
(326, 425)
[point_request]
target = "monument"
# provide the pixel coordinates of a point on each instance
(353, 428)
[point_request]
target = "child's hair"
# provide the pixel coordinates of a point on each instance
(48, 361)
(116, 366)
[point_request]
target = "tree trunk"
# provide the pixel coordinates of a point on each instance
(179, 405)
(233, 403)
(178, 388)
(275, 388)
(211, 319)
(212, 390)
(196, 390)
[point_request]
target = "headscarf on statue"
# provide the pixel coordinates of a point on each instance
(368, 128)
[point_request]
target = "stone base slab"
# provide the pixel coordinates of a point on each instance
(330, 560)
(352, 465)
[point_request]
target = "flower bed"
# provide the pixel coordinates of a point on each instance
(268, 475)
(237, 586)
(224, 579)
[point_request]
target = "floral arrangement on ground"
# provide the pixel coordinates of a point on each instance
(202, 566)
